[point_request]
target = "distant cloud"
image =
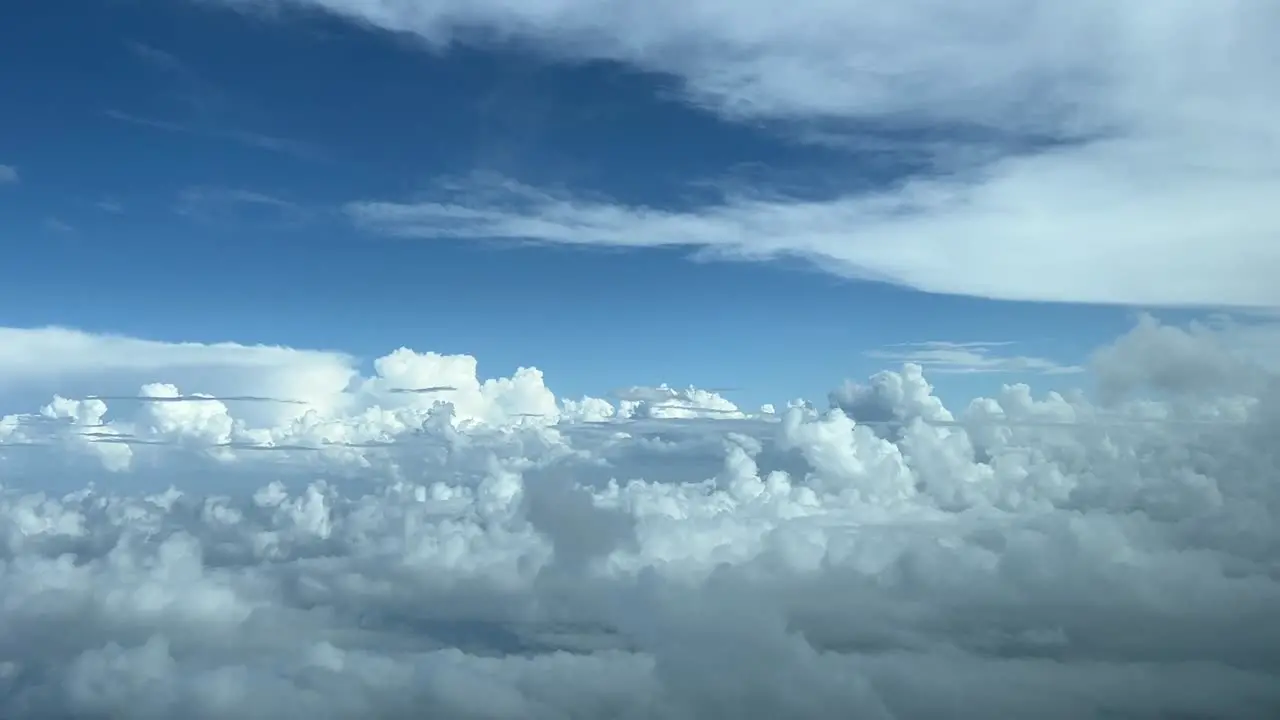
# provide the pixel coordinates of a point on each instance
(8, 175)
(156, 56)
(1196, 360)
(80, 361)
(284, 146)
(207, 194)
(207, 108)
(969, 357)
(55, 225)
(236, 204)
(645, 394)
(110, 206)
(271, 143)
(195, 398)
(148, 122)
(107, 439)
(666, 402)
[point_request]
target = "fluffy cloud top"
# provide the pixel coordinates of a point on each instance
(1089, 151)
(485, 550)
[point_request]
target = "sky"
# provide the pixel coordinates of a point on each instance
(338, 177)
(569, 360)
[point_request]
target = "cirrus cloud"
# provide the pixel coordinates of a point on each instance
(1091, 152)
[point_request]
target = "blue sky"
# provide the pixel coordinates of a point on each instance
(184, 171)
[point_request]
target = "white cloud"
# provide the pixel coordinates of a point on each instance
(985, 62)
(35, 363)
(1033, 230)
(669, 403)
(481, 551)
(1148, 163)
(940, 356)
(8, 174)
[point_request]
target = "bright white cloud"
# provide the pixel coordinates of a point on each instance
(1149, 165)
(668, 402)
(486, 550)
(38, 362)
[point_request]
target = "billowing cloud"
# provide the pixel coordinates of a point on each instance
(1089, 151)
(668, 402)
(1171, 359)
(486, 550)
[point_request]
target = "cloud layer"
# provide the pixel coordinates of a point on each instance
(940, 356)
(1084, 152)
(488, 550)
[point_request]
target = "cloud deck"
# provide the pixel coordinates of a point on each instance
(514, 556)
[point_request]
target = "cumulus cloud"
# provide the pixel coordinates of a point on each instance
(1059, 133)
(664, 401)
(1174, 360)
(488, 550)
